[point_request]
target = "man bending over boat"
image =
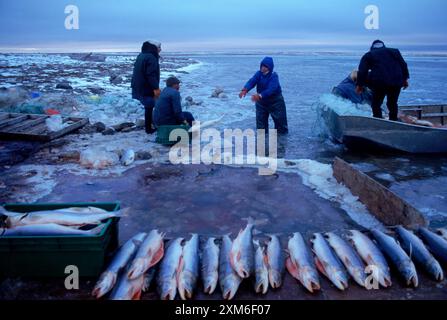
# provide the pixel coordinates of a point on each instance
(385, 72)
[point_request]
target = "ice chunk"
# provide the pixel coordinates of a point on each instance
(55, 123)
(98, 158)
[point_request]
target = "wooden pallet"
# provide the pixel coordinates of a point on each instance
(21, 126)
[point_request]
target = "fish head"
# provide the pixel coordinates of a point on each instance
(210, 282)
(339, 278)
(410, 274)
(435, 269)
(105, 284)
(168, 290)
(309, 279)
(229, 288)
(261, 286)
(186, 285)
(275, 278)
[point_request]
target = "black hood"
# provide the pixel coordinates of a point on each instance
(149, 48)
(377, 44)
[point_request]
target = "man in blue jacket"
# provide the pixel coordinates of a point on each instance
(347, 90)
(269, 100)
(385, 72)
(168, 108)
(146, 79)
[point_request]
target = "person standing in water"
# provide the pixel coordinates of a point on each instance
(269, 100)
(385, 72)
(146, 80)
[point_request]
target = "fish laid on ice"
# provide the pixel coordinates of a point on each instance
(328, 263)
(397, 256)
(205, 124)
(275, 262)
(65, 218)
(242, 252)
(261, 269)
(128, 157)
(167, 274)
(210, 265)
(229, 280)
(300, 263)
(49, 229)
(108, 278)
(188, 270)
(348, 257)
(149, 254)
(372, 256)
(128, 289)
(443, 233)
(436, 243)
(419, 253)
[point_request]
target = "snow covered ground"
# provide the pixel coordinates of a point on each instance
(306, 79)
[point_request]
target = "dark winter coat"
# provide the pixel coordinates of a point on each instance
(146, 72)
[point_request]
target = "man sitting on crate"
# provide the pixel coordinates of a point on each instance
(168, 108)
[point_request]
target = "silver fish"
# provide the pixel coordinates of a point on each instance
(188, 270)
(275, 262)
(300, 263)
(436, 243)
(210, 266)
(242, 252)
(128, 157)
(108, 278)
(49, 229)
(348, 257)
(397, 256)
(229, 280)
(372, 257)
(128, 289)
(65, 218)
(328, 263)
(149, 254)
(419, 253)
(167, 275)
(261, 269)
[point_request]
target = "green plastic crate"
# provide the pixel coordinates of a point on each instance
(163, 133)
(48, 256)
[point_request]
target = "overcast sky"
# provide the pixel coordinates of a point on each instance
(197, 25)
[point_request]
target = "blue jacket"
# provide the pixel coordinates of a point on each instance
(382, 67)
(346, 89)
(168, 108)
(266, 85)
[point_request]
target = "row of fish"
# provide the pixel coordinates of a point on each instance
(66, 221)
(366, 260)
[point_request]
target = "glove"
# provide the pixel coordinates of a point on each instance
(243, 93)
(157, 93)
(256, 98)
(359, 90)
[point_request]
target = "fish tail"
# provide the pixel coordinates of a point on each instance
(7, 213)
(104, 285)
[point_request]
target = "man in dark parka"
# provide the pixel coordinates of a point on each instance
(385, 72)
(146, 80)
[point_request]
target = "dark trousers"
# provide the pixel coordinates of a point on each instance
(149, 104)
(275, 107)
(392, 96)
